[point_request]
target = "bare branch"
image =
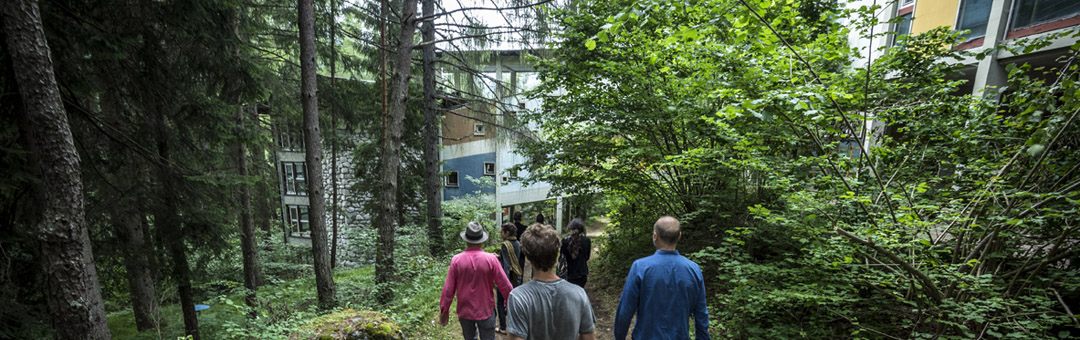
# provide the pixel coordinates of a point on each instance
(466, 9)
(504, 127)
(1066, 306)
(479, 27)
(469, 36)
(842, 113)
(928, 283)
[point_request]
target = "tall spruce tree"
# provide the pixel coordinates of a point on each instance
(324, 280)
(432, 180)
(71, 288)
(387, 213)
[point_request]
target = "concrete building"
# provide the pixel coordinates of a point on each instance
(292, 187)
(480, 133)
(991, 23)
(476, 144)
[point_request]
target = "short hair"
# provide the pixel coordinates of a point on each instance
(509, 227)
(667, 230)
(517, 216)
(540, 218)
(540, 244)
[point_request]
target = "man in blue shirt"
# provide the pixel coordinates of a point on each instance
(664, 290)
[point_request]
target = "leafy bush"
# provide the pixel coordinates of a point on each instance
(475, 206)
(959, 222)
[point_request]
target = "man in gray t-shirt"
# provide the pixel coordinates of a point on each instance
(548, 307)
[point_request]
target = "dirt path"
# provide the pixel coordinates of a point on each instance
(603, 293)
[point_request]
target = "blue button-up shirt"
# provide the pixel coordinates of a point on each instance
(664, 290)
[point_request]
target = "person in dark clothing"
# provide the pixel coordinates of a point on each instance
(513, 265)
(520, 226)
(520, 231)
(577, 248)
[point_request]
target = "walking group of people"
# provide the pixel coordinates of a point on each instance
(664, 291)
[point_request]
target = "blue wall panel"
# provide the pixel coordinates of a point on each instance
(467, 166)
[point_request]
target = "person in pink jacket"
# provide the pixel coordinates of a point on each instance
(472, 276)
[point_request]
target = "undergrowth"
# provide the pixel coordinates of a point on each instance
(286, 305)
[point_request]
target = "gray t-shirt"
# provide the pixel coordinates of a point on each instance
(556, 310)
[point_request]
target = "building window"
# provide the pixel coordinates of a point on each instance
(479, 129)
(291, 141)
(903, 27)
(452, 179)
(297, 218)
(1032, 12)
(849, 149)
(906, 2)
(294, 179)
(974, 14)
(489, 168)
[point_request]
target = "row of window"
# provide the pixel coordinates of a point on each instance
(295, 181)
(975, 14)
(453, 181)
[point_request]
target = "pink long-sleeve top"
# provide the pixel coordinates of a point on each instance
(473, 273)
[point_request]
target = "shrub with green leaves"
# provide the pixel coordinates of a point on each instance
(960, 221)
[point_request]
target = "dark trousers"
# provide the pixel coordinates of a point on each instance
(500, 304)
(500, 309)
(580, 281)
(471, 328)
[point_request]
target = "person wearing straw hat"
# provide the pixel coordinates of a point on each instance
(472, 276)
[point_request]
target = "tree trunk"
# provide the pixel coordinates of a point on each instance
(324, 280)
(71, 285)
(166, 220)
(178, 253)
(333, 131)
(432, 182)
(264, 201)
(144, 302)
(130, 225)
(266, 179)
(391, 154)
(152, 253)
(249, 244)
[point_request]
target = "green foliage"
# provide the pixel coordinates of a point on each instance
(474, 206)
(286, 306)
(954, 225)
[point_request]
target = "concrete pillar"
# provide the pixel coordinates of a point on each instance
(990, 74)
(558, 214)
(495, 141)
(498, 184)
